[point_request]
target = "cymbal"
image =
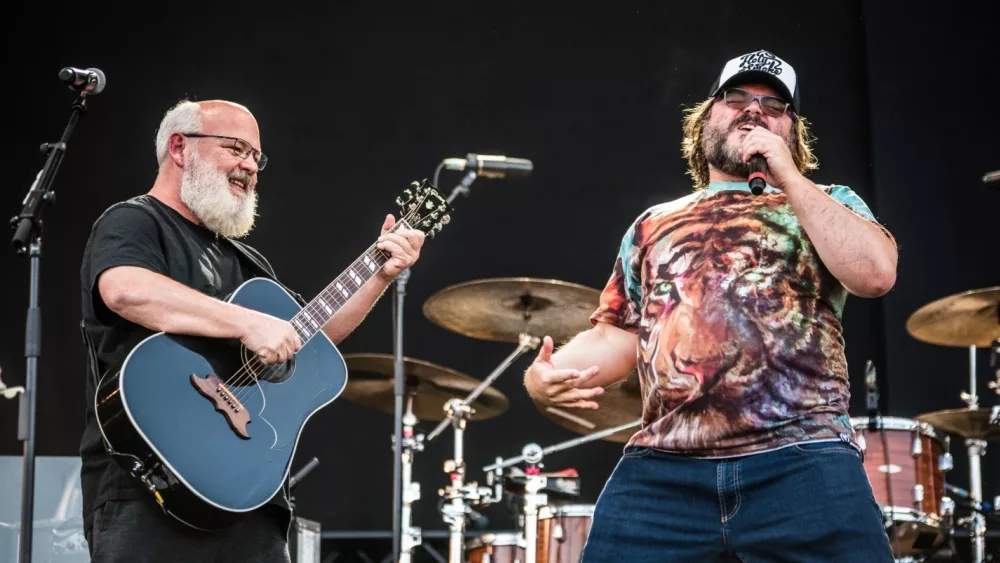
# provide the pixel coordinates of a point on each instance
(620, 404)
(371, 383)
(964, 319)
(500, 309)
(967, 423)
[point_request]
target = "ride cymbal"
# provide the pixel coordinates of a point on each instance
(371, 383)
(501, 309)
(964, 319)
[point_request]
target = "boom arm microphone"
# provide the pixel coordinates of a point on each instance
(491, 166)
(89, 81)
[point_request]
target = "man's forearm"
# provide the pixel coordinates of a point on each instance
(855, 250)
(348, 317)
(162, 304)
(611, 349)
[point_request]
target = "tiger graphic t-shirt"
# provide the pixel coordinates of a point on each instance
(739, 323)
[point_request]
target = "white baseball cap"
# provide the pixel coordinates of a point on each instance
(763, 67)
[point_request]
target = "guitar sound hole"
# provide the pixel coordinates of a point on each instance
(277, 373)
(271, 373)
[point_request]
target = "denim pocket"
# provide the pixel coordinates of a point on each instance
(826, 448)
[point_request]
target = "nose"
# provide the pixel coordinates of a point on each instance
(750, 108)
(249, 164)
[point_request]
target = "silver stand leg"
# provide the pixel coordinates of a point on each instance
(411, 535)
(455, 511)
(532, 500)
(977, 449)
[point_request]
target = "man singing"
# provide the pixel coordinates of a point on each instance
(165, 261)
(729, 306)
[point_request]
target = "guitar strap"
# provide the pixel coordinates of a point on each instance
(262, 268)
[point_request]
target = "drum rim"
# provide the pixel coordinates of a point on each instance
(897, 423)
(567, 510)
(500, 540)
(903, 514)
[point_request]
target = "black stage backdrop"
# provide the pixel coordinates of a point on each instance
(357, 99)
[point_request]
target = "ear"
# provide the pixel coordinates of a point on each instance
(175, 149)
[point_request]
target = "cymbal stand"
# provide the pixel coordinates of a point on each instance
(411, 535)
(459, 494)
(995, 385)
(500, 464)
(976, 449)
(534, 483)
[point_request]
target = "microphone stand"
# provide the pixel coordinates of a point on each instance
(398, 451)
(28, 239)
(399, 290)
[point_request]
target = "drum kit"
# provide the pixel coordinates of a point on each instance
(905, 459)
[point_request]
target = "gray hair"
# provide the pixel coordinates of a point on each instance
(185, 117)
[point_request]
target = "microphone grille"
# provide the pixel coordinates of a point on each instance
(102, 81)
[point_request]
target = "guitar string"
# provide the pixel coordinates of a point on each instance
(247, 371)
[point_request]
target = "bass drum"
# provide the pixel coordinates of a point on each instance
(905, 461)
(562, 532)
(495, 548)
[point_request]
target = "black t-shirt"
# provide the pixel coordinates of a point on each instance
(145, 232)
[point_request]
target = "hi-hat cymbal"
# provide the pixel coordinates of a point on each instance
(964, 319)
(967, 423)
(371, 383)
(620, 404)
(501, 309)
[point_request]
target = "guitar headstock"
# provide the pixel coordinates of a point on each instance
(424, 208)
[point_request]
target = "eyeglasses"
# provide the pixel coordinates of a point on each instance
(741, 99)
(240, 148)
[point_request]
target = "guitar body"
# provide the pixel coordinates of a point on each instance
(210, 449)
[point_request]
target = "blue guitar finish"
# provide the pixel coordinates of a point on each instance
(187, 438)
(192, 440)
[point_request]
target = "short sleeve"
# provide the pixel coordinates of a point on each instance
(122, 236)
(621, 300)
(853, 201)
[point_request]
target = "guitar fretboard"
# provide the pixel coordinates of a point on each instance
(324, 306)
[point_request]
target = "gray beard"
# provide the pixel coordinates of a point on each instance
(205, 190)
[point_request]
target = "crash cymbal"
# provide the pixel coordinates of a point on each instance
(965, 319)
(620, 404)
(967, 423)
(500, 309)
(371, 383)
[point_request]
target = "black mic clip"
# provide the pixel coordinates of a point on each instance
(872, 395)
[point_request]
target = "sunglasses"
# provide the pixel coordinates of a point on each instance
(741, 99)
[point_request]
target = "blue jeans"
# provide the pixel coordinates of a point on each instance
(808, 502)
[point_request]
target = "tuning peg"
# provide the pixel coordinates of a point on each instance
(446, 219)
(399, 202)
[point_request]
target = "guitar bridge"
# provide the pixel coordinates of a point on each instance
(225, 401)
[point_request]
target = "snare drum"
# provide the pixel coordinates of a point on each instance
(495, 548)
(562, 532)
(913, 478)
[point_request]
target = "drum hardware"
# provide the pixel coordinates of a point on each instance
(410, 536)
(533, 499)
(459, 494)
(429, 390)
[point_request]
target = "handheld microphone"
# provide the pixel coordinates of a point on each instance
(872, 395)
(89, 81)
(758, 174)
(491, 166)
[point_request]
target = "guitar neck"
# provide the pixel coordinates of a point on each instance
(324, 306)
